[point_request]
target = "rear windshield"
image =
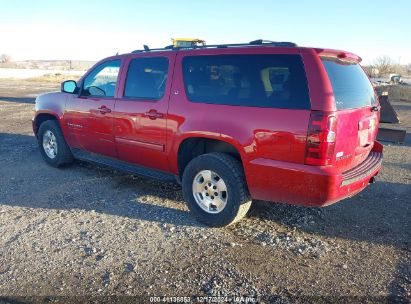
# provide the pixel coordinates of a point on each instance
(351, 86)
(269, 81)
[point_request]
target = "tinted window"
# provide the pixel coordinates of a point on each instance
(146, 78)
(275, 81)
(102, 80)
(351, 86)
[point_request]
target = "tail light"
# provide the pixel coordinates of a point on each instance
(321, 138)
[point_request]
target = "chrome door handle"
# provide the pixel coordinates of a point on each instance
(153, 114)
(104, 110)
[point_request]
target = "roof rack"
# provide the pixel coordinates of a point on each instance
(258, 42)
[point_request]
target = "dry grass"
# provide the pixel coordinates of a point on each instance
(54, 78)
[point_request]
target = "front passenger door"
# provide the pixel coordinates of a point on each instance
(89, 116)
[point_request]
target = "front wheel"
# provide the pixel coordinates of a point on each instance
(53, 147)
(215, 189)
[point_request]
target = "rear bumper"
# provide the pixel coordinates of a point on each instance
(363, 170)
(309, 185)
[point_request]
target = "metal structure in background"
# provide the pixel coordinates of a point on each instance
(388, 114)
(389, 129)
(187, 42)
(391, 133)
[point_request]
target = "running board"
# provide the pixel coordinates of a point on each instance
(123, 166)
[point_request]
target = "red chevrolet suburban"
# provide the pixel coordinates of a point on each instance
(235, 122)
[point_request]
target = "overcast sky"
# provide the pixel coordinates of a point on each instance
(91, 30)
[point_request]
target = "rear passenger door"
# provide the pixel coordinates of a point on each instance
(140, 116)
(256, 97)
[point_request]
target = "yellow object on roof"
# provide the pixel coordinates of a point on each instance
(187, 42)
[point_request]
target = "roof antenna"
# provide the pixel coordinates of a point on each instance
(146, 48)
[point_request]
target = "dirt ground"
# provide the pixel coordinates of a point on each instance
(85, 232)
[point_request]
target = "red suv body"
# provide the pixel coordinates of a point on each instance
(302, 122)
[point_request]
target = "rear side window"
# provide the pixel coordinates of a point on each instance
(146, 78)
(351, 86)
(272, 81)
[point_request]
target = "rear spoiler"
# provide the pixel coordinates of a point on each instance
(341, 55)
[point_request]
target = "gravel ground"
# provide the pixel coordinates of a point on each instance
(93, 232)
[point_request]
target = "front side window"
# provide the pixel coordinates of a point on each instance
(146, 78)
(270, 81)
(102, 80)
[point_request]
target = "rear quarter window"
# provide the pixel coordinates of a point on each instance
(269, 81)
(351, 86)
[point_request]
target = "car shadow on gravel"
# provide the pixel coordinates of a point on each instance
(18, 99)
(380, 214)
(135, 196)
(84, 186)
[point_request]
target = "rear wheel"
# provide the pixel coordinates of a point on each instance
(53, 147)
(215, 189)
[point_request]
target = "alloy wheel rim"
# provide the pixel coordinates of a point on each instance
(210, 191)
(50, 144)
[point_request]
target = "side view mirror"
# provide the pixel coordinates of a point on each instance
(69, 86)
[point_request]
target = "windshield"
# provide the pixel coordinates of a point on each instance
(351, 86)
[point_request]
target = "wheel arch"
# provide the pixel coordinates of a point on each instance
(42, 117)
(193, 145)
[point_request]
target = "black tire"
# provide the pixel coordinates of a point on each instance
(231, 171)
(63, 155)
